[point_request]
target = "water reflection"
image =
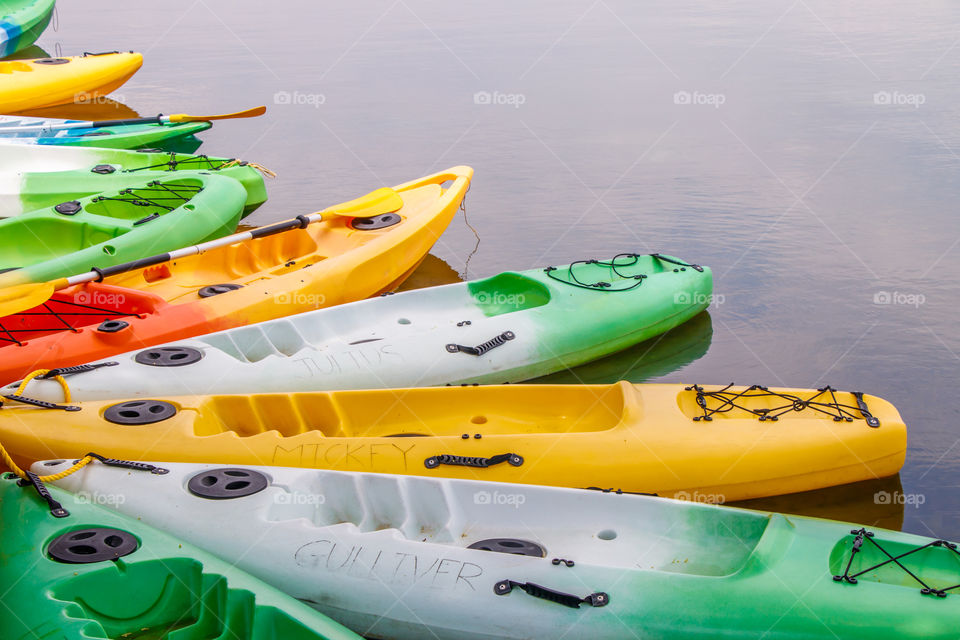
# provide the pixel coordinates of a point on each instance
(865, 503)
(99, 109)
(652, 358)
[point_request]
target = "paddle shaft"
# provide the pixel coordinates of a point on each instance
(299, 222)
(158, 119)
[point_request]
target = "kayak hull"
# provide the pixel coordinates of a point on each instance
(391, 557)
(163, 585)
(37, 176)
(402, 340)
(325, 264)
(132, 136)
(22, 23)
(47, 82)
(647, 438)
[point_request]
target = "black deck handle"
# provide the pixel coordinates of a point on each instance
(872, 421)
(481, 349)
(598, 599)
(469, 461)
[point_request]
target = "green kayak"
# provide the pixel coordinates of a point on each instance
(21, 23)
(42, 131)
(38, 176)
(118, 226)
(97, 574)
(400, 557)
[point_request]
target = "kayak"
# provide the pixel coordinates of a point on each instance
(508, 328)
(114, 227)
(21, 23)
(407, 558)
(649, 438)
(34, 177)
(128, 136)
(47, 82)
(342, 258)
(98, 574)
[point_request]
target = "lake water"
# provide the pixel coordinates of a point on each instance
(806, 151)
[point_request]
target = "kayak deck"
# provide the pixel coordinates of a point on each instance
(622, 436)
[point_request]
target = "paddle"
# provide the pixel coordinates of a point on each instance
(158, 119)
(18, 298)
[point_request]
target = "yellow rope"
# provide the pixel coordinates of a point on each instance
(7, 460)
(259, 167)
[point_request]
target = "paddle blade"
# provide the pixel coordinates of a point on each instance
(248, 113)
(22, 297)
(383, 200)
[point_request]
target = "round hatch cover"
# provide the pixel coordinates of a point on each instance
(139, 412)
(169, 356)
(216, 289)
(94, 544)
(226, 483)
(510, 545)
(376, 222)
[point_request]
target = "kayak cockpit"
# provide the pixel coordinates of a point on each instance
(641, 534)
(507, 293)
(522, 410)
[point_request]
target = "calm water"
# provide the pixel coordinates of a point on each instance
(807, 152)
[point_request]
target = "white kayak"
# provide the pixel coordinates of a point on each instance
(407, 558)
(507, 328)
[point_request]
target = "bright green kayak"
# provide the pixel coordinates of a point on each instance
(118, 226)
(38, 176)
(21, 23)
(97, 574)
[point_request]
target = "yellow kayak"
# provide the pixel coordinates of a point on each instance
(710, 444)
(46, 82)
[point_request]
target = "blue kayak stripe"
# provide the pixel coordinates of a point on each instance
(11, 33)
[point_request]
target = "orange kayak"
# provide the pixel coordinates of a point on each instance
(340, 259)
